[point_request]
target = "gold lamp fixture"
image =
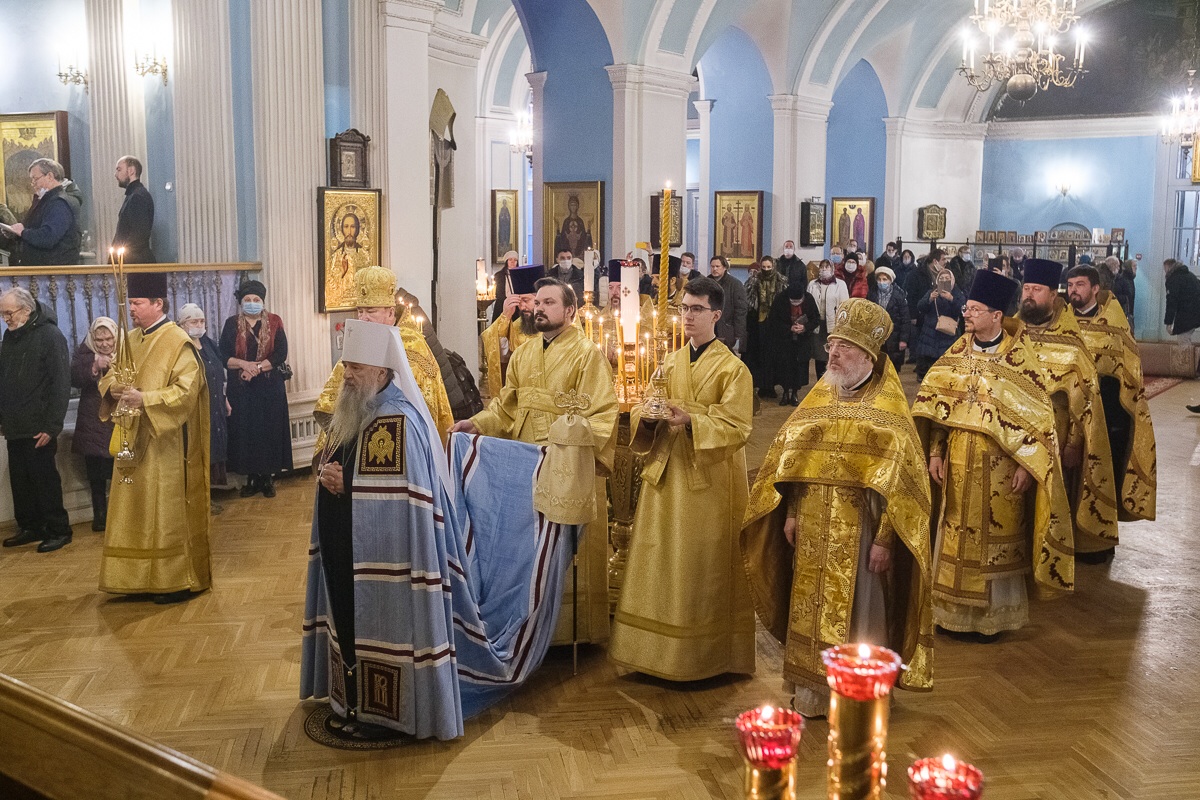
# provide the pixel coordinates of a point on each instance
(1024, 51)
(1183, 121)
(151, 64)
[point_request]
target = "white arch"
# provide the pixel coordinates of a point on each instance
(498, 46)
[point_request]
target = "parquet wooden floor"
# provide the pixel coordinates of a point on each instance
(1097, 698)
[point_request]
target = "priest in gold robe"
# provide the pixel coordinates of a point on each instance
(156, 538)
(606, 325)
(1074, 389)
(559, 360)
(988, 423)
(836, 540)
(1105, 331)
(684, 612)
(375, 300)
(512, 327)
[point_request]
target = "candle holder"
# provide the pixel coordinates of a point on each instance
(861, 677)
(654, 406)
(944, 779)
(770, 738)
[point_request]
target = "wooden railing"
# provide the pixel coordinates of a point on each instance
(52, 749)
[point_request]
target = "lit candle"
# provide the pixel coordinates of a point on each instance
(770, 740)
(589, 269)
(944, 779)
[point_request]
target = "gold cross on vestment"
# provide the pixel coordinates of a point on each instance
(973, 378)
(572, 402)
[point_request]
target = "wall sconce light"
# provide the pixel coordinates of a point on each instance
(72, 74)
(521, 138)
(151, 64)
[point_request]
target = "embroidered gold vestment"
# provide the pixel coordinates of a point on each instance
(502, 327)
(857, 446)
(1111, 343)
(157, 535)
(685, 612)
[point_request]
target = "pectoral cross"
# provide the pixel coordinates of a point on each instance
(973, 378)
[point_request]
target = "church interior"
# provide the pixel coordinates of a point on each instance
(284, 140)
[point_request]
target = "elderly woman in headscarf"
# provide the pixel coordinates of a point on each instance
(886, 293)
(254, 347)
(92, 435)
(194, 323)
(940, 316)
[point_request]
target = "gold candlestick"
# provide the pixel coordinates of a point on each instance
(861, 677)
(664, 259)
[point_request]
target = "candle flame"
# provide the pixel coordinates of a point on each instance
(864, 651)
(766, 713)
(948, 762)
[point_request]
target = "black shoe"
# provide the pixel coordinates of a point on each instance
(251, 488)
(786, 400)
(99, 524)
(54, 543)
(268, 486)
(1193, 409)
(795, 399)
(172, 597)
(1098, 557)
(23, 537)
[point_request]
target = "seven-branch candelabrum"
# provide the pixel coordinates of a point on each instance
(123, 368)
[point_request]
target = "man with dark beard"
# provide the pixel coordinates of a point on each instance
(512, 327)
(135, 220)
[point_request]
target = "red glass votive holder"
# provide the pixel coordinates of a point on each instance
(770, 737)
(944, 779)
(861, 671)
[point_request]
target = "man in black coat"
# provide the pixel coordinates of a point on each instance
(135, 220)
(35, 386)
(50, 235)
(1183, 306)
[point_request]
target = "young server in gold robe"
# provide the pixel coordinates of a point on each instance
(684, 612)
(1106, 333)
(541, 372)
(375, 301)
(156, 541)
(1074, 389)
(836, 540)
(988, 422)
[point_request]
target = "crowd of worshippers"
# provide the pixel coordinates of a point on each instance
(870, 520)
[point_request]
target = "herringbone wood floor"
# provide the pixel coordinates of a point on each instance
(1097, 698)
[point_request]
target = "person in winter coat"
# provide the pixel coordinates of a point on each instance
(35, 387)
(886, 293)
(92, 435)
(1183, 301)
(791, 266)
(1124, 290)
(853, 272)
(50, 234)
(941, 306)
(829, 293)
(791, 328)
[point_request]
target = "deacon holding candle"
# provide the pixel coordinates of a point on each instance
(684, 612)
(817, 543)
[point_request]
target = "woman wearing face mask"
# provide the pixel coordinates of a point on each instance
(829, 292)
(193, 322)
(940, 315)
(854, 274)
(903, 266)
(886, 293)
(92, 359)
(253, 346)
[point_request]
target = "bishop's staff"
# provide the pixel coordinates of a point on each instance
(123, 368)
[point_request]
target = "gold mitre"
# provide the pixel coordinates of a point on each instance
(374, 287)
(862, 323)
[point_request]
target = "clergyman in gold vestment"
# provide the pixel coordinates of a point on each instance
(561, 358)
(685, 612)
(156, 540)
(988, 423)
(1105, 330)
(845, 485)
(1074, 389)
(512, 327)
(375, 301)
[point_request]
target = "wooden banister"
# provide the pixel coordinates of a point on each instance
(62, 752)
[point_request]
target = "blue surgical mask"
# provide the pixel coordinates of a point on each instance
(251, 308)
(836, 258)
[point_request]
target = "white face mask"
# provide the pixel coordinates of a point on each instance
(825, 273)
(851, 266)
(194, 330)
(789, 252)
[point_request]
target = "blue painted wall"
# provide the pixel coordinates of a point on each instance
(243, 128)
(1112, 185)
(742, 132)
(856, 143)
(335, 40)
(692, 171)
(568, 43)
(34, 86)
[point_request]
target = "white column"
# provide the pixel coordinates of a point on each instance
(801, 124)
(204, 149)
(368, 112)
(649, 144)
(928, 163)
(537, 85)
(704, 201)
(289, 147)
(118, 112)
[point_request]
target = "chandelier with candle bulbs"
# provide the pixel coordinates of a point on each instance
(1025, 52)
(1183, 122)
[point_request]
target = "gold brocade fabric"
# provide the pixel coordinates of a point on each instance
(501, 328)
(1074, 386)
(864, 442)
(1110, 342)
(525, 409)
(157, 535)
(685, 612)
(1000, 399)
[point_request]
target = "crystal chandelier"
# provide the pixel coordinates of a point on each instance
(1183, 122)
(1023, 49)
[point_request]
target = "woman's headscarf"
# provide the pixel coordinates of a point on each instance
(190, 311)
(948, 274)
(100, 322)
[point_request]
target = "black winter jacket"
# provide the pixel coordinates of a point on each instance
(1183, 301)
(35, 377)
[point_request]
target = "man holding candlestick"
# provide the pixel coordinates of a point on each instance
(684, 612)
(836, 538)
(559, 359)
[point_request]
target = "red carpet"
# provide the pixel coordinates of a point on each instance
(1156, 386)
